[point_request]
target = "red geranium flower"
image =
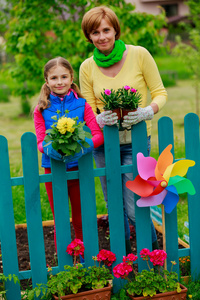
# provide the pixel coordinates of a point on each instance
(122, 270)
(75, 248)
(144, 253)
(106, 256)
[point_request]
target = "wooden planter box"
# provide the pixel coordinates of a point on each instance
(101, 294)
(165, 296)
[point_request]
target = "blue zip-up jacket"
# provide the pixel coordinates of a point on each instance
(76, 108)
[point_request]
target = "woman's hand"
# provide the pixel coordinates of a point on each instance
(141, 114)
(106, 118)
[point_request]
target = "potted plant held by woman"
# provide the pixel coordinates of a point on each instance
(155, 283)
(111, 101)
(77, 282)
(129, 99)
(122, 101)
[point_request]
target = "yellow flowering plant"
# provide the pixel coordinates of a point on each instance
(67, 135)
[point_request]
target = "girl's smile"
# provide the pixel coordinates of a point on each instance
(59, 80)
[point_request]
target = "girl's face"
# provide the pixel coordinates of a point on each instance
(103, 37)
(59, 80)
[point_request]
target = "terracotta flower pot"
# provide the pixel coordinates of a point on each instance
(104, 294)
(118, 112)
(125, 111)
(165, 296)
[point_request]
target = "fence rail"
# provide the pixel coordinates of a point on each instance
(31, 181)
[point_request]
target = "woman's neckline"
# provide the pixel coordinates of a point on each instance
(113, 77)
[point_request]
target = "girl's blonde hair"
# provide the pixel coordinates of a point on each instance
(43, 101)
(92, 19)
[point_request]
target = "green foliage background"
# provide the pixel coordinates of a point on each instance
(36, 31)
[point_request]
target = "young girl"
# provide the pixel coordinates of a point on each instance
(60, 93)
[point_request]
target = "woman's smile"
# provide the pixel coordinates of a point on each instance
(103, 37)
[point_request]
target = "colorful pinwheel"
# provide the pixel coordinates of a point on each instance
(161, 181)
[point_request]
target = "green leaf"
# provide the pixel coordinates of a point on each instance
(85, 144)
(88, 135)
(72, 146)
(55, 117)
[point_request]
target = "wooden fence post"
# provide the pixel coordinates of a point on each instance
(115, 198)
(88, 208)
(7, 225)
(33, 208)
(192, 149)
(142, 214)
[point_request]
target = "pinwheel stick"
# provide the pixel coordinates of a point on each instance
(164, 233)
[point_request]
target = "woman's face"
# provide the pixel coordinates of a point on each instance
(103, 37)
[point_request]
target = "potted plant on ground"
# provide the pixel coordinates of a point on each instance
(77, 282)
(155, 283)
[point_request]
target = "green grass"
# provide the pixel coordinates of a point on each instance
(172, 63)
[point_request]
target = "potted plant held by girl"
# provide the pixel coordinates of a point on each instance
(77, 282)
(155, 283)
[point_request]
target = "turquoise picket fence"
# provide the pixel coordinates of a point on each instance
(31, 181)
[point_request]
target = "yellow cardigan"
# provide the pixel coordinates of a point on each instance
(139, 71)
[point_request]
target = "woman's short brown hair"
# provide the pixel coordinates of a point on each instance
(92, 19)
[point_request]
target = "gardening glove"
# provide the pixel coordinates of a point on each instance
(141, 114)
(48, 150)
(106, 118)
(70, 158)
(90, 148)
(84, 150)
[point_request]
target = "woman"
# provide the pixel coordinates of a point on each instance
(115, 65)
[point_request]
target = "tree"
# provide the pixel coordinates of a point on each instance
(40, 30)
(189, 54)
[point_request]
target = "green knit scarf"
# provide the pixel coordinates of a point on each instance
(108, 60)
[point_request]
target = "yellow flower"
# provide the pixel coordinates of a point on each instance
(65, 124)
(190, 296)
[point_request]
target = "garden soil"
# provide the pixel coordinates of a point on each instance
(51, 257)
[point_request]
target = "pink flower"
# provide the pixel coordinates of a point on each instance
(107, 92)
(127, 87)
(75, 248)
(106, 256)
(129, 258)
(133, 90)
(144, 253)
(122, 270)
(158, 257)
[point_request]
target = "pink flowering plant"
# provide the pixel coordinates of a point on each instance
(129, 97)
(125, 97)
(77, 278)
(110, 99)
(148, 282)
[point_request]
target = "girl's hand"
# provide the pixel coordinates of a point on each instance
(70, 158)
(48, 150)
(84, 150)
